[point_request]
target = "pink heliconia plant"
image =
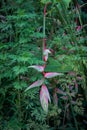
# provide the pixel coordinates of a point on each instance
(44, 93)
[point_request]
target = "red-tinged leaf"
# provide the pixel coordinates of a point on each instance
(45, 90)
(78, 28)
(73, 102)
(64, 97)
(76, 87)
(35, 84)
(51, 74)
(55, 99)
(44, 100)
(37, 67)
(44, 97)
(73, 94)
(60, 92)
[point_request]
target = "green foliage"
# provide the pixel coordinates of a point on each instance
(21, 46)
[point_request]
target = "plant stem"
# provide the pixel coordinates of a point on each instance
(43, 35)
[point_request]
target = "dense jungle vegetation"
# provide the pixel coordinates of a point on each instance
(29, 30)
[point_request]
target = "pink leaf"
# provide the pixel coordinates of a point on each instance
(55, 99)
(52, 74)
(35, 84)
(64, 97)
(45, 90)
(78, 28)
(60, 92)
(37, 67)
(44, 97)
(44, 101)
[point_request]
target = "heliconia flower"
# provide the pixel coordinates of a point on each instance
(37, 67)
(46, 52)
(52, 74)
(44, 97)
(35, 84)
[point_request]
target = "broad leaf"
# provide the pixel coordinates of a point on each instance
(37, 67)
(44, 97)
(44, 101)
(67, 3)
(45, 90)
(35, 84)
(52, 74)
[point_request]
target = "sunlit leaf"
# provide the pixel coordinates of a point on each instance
(52, 74)
(37, 67)
(35, 84)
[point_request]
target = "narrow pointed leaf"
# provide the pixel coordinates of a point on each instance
(60, 92)
(55, 99)
(44, 97)
(37, 67)
(52, 74)
(64, 97)
(44, 100)
(45, 90)
(35, 84)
